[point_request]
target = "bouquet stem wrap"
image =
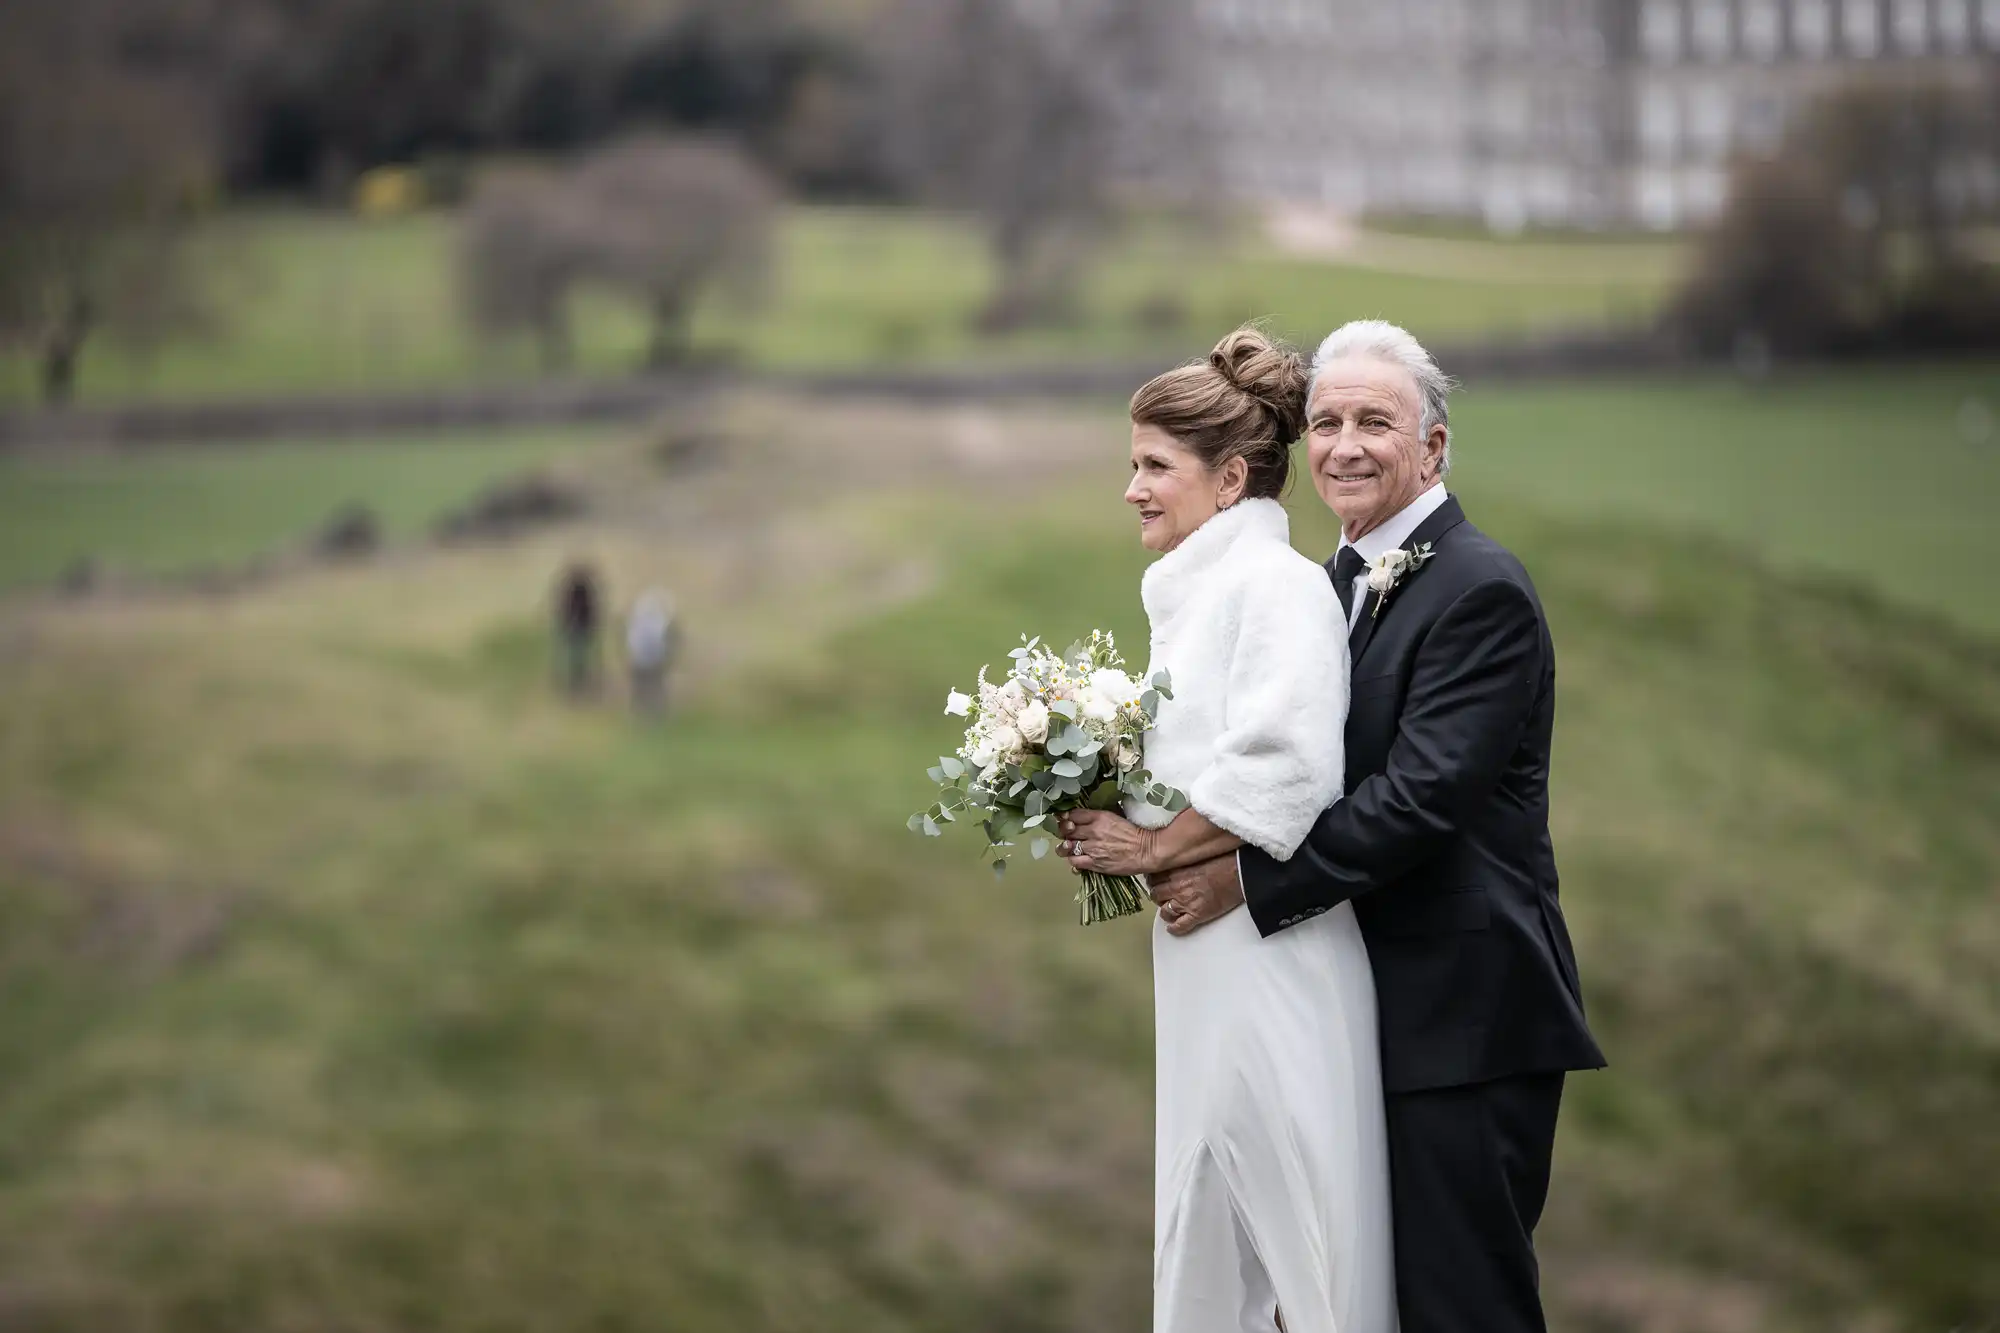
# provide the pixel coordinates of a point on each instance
(1107, 897)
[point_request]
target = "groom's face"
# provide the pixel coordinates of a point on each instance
(1368, 460)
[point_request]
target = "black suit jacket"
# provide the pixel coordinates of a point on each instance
(1442, 841)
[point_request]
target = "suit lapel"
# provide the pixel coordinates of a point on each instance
(1447, 516)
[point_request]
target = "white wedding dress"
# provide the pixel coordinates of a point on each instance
(1272, 1173)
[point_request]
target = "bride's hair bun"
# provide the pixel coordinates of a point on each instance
(1246, 400)
(1268, 371)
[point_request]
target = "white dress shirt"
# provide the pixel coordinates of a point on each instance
(1390, 536)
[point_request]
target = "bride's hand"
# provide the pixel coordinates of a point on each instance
(1105, 842)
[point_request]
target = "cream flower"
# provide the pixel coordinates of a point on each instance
(957, 703)
(1113, 686)
(1385, 569)
(1033, 723)
(1007, 741)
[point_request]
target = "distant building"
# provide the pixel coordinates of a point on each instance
(1574, 113)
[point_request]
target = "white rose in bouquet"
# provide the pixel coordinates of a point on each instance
(1007, 741)
(1113, 686)
(1061, 732)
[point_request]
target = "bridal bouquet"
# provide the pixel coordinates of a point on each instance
(1060, 733)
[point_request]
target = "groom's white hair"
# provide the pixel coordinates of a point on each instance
(1384, 341)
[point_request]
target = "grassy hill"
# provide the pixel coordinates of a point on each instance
(1880, 475)
(349, 980)
(320, 302)
(172, 512)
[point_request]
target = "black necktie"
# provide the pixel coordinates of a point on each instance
(1347, 566)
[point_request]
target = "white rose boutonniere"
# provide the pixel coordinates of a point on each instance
(1390, 568)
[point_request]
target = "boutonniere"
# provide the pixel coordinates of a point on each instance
(1385, 571)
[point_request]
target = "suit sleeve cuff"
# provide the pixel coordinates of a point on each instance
(1260, 895)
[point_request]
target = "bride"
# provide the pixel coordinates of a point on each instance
(1271, 1178)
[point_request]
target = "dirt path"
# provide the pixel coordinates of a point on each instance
(789, 522)
(1317, 233)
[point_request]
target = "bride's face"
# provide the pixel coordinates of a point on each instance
(1172, 489)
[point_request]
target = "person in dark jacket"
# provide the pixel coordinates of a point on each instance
(577, 625)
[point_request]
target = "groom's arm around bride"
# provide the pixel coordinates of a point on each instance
(1441, 842)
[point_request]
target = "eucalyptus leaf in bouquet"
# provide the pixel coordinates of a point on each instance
(1061, 732)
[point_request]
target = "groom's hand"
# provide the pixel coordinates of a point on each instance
(1193, 896)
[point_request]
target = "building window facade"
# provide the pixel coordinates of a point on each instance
(1812, 28)
(1709, 120)
(1660, 122)
(1859, 30)
(1711, 29)
(1954, 24)
(1660, 31)
(1763, 31)
(1508, 108)
(1659, 199)
(1912, 25)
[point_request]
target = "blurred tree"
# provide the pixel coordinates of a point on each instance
(321, 90)
(1860, 231)
(1027, 114)
(394, 80)
(989, 111)
(519, 255)
(1146, 58)
(655, 219)
(318, 91)
(105, 155)
(784, 81)
(665, 218)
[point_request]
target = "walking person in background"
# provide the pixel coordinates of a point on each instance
(652, 640)
(577, 602)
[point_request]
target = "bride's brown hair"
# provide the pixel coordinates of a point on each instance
(1246, 400)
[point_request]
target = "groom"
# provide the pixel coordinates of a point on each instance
(1441, 843)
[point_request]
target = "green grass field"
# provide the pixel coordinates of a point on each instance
(1882, 476)
(311, 302)
(350, 980)
(206, 508)
(1867, 475)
